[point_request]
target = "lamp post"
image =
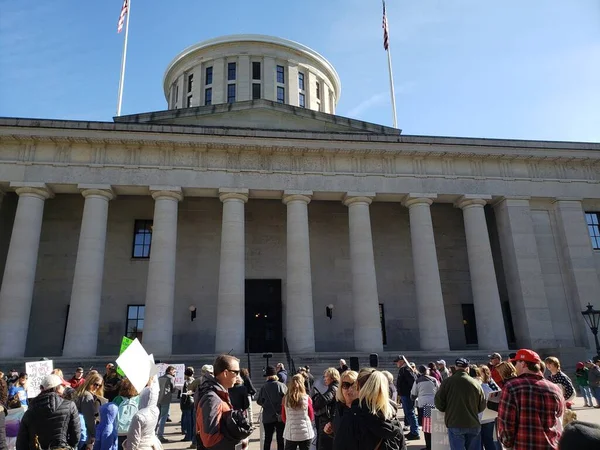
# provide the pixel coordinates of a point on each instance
(592, 319)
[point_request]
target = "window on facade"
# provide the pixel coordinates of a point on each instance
(189, 101)
(174, 94)
(190, 85)
(318, 91)
(280, 74)
(230, 93)
(208, 96)
(302, 100)
(382, 321)
(300, 81)
(135, 321)
(142, 238)
(208, 77)
(468, 314)
(593, 223)
(231, 69)
(256, 71)
(255, 91)
(280, 94)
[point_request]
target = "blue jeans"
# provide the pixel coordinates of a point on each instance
(186, 424)
(408, 406)
(465, 438)
(596, 393)
(586, 393)
(487, 436)
(162, 419)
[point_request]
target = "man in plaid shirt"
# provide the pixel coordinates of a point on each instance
(530, 408)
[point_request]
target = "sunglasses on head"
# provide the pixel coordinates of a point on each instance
(347, 385)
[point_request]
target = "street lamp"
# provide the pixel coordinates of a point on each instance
(592, 318)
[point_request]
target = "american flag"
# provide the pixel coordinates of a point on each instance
(124, 11)
(427, 418)
(386, 36)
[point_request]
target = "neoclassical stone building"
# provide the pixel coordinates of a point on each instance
(258, 215)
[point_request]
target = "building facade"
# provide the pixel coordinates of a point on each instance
(259, 216)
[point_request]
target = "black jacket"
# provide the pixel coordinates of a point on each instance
(338, 413)
(238, 395)
(248, 383)
(406, 379)
(323, 403)
(54, 420)
(361, 430)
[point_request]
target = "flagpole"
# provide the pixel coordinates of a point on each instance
(393, 94)
(123, 61)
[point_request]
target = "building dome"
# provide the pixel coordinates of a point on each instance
(246, 67)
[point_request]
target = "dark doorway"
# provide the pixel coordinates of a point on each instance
(263, 316)
(468, 313)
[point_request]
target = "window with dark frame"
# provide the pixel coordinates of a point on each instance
(318, 91)
(142, 239)
(256, 70)
(189, 101)
(190, 84)
(280, 94)
(230, 93)
(302, 100)
(382, 321)
(280, 74)
(300, 81)
(174, 94)
(231, 69)
(208, 96)
(593, 223)
(208, 76)
(135, 321)
(255, 91)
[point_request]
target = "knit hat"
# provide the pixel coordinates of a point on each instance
(423, 369)
(270, 371)
(51, 381)
(580, 436)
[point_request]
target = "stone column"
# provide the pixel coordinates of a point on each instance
(300, 329)
(81, 338)
(491, 334)
(578, 255)
(231, 320)
(160, 288)
(16, 293)
(430, 303)
(524, 280)
(365, 301)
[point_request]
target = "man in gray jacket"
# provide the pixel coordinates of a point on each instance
(166, 385)
(269, 397)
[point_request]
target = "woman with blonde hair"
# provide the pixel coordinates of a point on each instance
(372, 423)
(324, 403)
(88, 399)
(506, 370)
(345, 395)
(297, 413)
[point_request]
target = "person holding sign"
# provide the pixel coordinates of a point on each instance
(17, 393)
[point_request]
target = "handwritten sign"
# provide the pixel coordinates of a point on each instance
(179, 375)
(439, 432)
(36, 371)
(125, 342)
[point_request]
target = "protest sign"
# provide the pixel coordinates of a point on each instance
(36, 371)
(439, 432)
(125, 342)
(137, 365)
(179, 376)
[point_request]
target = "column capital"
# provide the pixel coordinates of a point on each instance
(98, 190)
(39, 190)
(173, 192)
(469, 200)
(303, 196)
(233, 194)
(418, 199)
(358, 197)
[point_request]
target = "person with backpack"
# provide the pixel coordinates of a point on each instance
(107, 430)
(127, 402)
(186, 403)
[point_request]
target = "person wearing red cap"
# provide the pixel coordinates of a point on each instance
(531, 407)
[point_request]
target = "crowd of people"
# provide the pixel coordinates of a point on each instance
(348, 410)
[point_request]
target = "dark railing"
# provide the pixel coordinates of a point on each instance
(290, 360)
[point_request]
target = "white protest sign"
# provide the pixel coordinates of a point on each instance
(439, 432)
(179, 376)
(137, 365)
(36, 371)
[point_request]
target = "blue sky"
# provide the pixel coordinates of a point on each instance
(508, 69)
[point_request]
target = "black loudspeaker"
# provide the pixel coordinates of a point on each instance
(374, 360)
(354, 365)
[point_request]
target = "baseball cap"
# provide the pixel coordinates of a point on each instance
(79, 369)
(527, 356)
(461, 362)
(441, 361)
(51, 381)
(579, 365)
(399, 358)
(495, 356)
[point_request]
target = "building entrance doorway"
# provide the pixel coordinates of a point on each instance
(264, 330)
